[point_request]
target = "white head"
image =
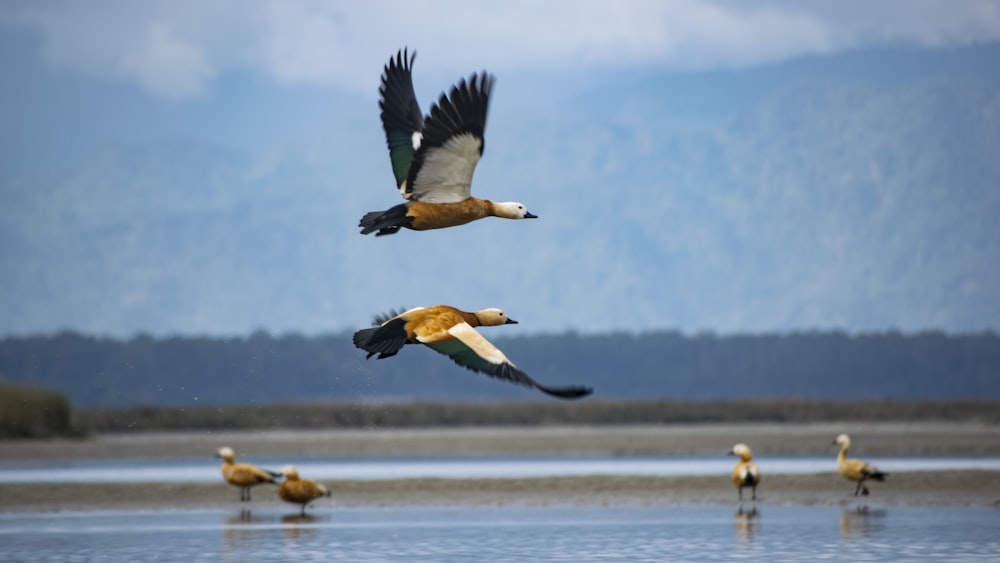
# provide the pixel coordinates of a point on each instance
(512, 210)
(290, 472)
(494, 317)
(225, 453)
(741, 450)
(844, 441)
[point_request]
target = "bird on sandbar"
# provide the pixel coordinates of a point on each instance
(855, 469)
(452, 332)
(433, 158)
(243, 475)
(300, 491)
(746, 473)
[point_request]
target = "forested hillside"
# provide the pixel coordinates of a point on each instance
(265, 369)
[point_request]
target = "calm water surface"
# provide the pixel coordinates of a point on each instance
(509, 533)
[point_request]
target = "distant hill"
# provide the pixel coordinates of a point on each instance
(856, 192)
(262, 369)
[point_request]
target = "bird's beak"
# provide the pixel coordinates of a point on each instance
(510, 321)
(730, 452)
(530, 215)
(834, 443)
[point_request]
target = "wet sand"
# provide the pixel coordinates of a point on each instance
(924, 488)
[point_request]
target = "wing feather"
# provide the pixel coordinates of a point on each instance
(469, 349)
(401, 116)
(452, 143)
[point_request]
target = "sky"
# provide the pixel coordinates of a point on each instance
(252, 76)
(180, 50)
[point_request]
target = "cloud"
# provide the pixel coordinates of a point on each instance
(175, 49)
(168, 66)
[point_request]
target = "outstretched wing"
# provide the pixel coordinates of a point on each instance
(401, 117)
(469, 349)
(441, 171)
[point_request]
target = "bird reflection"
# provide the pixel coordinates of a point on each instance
(298, 526)
(860, 522)
(238, 530)
(299, 518)
(243, 517)
(747, 524)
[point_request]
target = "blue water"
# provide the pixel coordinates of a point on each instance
(509, 533)
(207, 470)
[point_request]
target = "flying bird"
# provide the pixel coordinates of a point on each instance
(243, 475)
(300, 491)
(855, 469)
(746, 473)
(452, 332)
(433, 158)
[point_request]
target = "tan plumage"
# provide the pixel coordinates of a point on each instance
(452, 332)
(855, 469)
(243, 475)
(746, 473)
(433, 159)
(300, 491)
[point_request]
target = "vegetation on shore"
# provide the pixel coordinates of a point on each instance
(415, 415)
(34, 413)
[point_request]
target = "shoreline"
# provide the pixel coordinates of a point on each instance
(968, 439)
(915, 488)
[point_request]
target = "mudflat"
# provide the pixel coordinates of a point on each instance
(973, 487)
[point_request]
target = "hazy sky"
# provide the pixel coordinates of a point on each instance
(176, 50)
(263, 76)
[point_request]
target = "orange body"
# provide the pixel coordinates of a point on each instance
(300, 491)
(427, 216)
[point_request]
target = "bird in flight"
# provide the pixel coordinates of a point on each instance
(452, 332)
(433, 158)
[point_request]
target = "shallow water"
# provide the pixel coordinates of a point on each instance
(207, 470)
(508, 533)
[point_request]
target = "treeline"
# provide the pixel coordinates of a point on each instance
(262, 369)
(529, 413)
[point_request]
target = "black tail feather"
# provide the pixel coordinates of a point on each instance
(385, 222)
(385, 340)
(878, 476)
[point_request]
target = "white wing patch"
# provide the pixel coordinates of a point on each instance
(475, 341)
(446, 173)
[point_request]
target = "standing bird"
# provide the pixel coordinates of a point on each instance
(451, 332)
(855, 469)
(746, 473)
(243, 475)
(433, 159)
(300, 491)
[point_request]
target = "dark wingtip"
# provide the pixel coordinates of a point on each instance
(571, 392)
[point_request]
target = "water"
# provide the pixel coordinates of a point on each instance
(207, 470)
(509, 533)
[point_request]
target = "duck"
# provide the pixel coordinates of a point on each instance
(433, 158)
(746, 473)
(855, 469)
(300, 491)
(243, 475)
(452, 332)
